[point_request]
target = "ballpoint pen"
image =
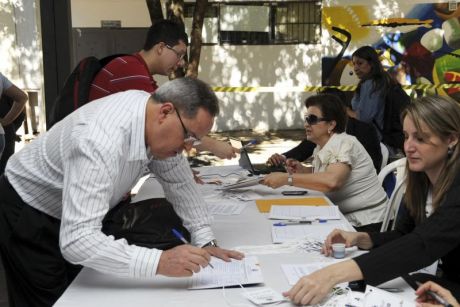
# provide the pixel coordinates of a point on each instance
(435, 296)
(178, 235)
(250, 143)
(292, 222)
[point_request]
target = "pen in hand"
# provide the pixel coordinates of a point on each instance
(435, 296)
(178, 235)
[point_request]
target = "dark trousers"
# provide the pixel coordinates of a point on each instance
(8, 151)
(36, 272)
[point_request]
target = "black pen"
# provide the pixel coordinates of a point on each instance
(178, 235)
(435, 296)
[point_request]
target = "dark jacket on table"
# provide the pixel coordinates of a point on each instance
(411, 247)
(364, 132)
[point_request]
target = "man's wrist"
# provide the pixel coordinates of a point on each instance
(212, 243)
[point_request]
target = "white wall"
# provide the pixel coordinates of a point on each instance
(89, 13)
(275, 65)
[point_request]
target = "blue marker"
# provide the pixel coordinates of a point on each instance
(178, 235)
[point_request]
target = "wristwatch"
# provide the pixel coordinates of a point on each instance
(290, 179)
(212, 243)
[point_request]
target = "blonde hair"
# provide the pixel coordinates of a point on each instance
(442, 116)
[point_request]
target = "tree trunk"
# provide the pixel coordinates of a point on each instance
(175, 12)
(155, 10)
(196, 38)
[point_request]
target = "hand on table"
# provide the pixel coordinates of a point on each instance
(275, 180)
(350, 238)
(294, 166)
(276, 159)
(425, 300)
(339, 236)
(183, 260)
(196, 178)
(310, 289)
(224, 254)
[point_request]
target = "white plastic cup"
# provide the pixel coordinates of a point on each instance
(338, 250)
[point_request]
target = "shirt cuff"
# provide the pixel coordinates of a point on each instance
(202, 236)
(144, 264)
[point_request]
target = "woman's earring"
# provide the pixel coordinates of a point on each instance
(450, 151)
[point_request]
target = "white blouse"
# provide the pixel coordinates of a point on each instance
(361, 199)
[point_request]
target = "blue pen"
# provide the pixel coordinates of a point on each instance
(250, 143)
(178, 235)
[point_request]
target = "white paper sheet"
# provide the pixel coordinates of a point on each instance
(304, 212)
(294, 272)
(225, 207)
(318, 231)
(234, 273)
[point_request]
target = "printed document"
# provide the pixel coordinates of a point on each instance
(308, 213)
(234, 273)
(318, 231)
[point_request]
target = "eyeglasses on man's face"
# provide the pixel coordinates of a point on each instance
(313, 119)
(189, 138)
(179, 55)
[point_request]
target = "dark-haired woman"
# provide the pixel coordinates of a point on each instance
(342, 168)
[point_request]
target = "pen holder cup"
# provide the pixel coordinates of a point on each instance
(338, 250)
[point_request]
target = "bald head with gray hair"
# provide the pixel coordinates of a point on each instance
(188, 95)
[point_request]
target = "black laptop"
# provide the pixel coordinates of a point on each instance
(257, 169)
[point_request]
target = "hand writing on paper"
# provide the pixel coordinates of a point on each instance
(183, 260)
(224, 254)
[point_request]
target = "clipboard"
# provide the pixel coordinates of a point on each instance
(264, 205)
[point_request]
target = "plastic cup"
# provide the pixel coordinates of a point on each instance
(338, 250)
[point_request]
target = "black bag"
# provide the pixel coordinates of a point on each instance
(147, 223)
(395, 102)
(77, 86)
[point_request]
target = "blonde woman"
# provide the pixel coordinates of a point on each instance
(428, 225)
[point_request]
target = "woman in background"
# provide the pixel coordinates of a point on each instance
(7, 116)
(342, 168)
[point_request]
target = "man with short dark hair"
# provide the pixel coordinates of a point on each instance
(163, 52)
(57, 190)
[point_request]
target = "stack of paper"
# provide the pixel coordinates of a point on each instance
(225, 274)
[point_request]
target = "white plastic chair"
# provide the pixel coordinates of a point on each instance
(385, 155)
(398, 166)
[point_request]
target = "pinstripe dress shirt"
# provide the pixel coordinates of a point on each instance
(83, 167)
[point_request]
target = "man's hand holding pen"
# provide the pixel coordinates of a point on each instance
(184, 260)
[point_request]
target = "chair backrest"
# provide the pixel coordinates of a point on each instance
(398, 167)
(385, 155)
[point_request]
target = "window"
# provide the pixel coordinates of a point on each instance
(297, 22)
(259, 23)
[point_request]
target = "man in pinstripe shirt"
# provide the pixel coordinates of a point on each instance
(57, 190)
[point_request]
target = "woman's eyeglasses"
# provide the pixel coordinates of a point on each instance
(313, 119)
